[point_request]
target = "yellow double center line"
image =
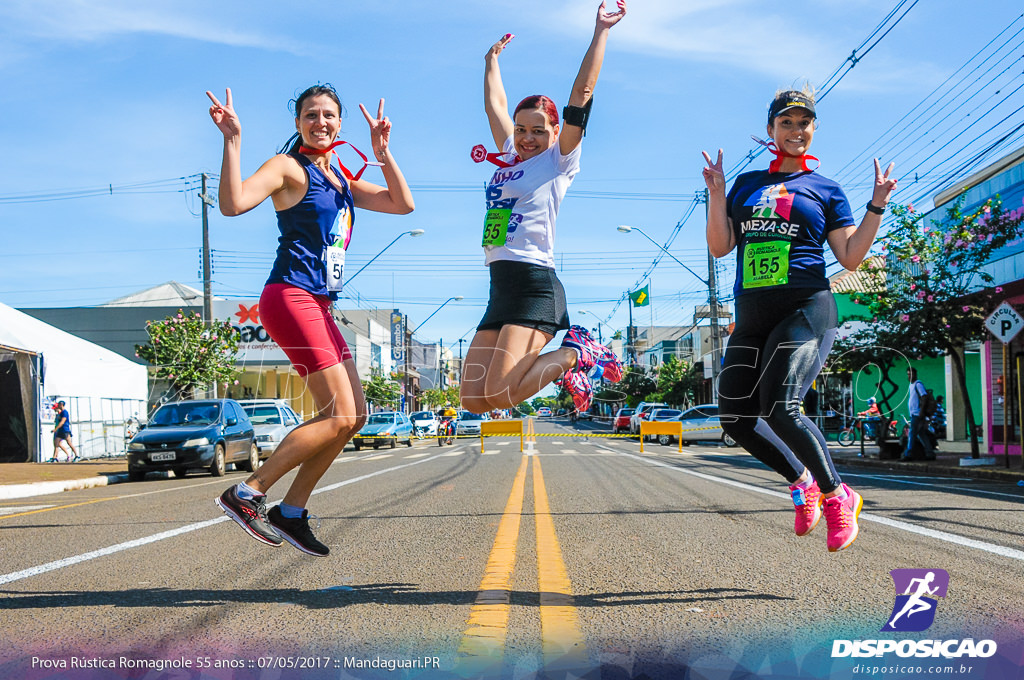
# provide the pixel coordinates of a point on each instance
(483, 643)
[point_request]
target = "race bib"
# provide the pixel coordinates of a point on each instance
(496, 226)
(766, 264)
(334, 258)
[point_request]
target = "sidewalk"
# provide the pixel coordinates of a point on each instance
(947, 461)
(18, 480)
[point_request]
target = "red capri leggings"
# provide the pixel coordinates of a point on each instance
(302, 325)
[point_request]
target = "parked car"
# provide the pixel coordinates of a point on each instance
(543, 412)
(469, 423)
(424, 423)
(700, 423)
(272, 419)
(620, 423)
(200, 433)
(642, 412)
(388, 426)
(660, 414)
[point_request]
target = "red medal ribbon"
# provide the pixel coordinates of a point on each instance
(776, 164)
(479, 155)
(348, 175)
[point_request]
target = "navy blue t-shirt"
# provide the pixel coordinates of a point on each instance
(781, 221)
(323, 217)
(66, 417)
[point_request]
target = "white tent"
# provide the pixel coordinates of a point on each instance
(101, 388)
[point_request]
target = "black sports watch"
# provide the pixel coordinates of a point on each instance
(874, 208)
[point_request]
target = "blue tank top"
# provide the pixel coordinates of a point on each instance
(323, 217)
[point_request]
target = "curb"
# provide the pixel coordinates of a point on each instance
(928, 466)
(12, 491)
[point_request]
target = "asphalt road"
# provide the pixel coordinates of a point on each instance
(582, 558)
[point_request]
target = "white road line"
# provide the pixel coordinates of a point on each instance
(378, 456)
(128, 545)
(867, 516)
(898, 480)
(452, 453)
(569, 451)
(23, 508)
(417, 455)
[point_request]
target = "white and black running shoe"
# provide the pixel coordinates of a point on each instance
(251, 515)
(296, 531)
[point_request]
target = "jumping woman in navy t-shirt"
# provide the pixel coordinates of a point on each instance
(314, 204)
(778, 220)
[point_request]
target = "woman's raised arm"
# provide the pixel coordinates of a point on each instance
(495, 99)
(583, 88)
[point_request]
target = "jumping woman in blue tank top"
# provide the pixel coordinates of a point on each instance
(778, 220)
(315, 205)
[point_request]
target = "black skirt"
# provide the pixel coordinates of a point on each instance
(524, 294)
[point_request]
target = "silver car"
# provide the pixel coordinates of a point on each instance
(700, 423)
(469, 423)
(387, 427)
(272, 419)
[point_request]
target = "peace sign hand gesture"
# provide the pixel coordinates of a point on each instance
(606, 20)
(714, 175)
(380, 130)
(884, 185)
(224, 116)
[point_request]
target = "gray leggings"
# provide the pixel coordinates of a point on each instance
(779, 345)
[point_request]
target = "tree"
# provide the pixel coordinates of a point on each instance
(525, 409)
(636, 385)
(677, 382)
(435, 396)
(382, 391)
(189, 353)
(936, 292)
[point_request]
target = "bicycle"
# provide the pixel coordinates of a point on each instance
(851, 433)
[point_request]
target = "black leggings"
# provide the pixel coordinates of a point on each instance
(775, 353)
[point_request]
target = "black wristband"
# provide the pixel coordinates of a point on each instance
(874, 208)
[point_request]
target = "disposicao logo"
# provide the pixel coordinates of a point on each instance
(916, 590)
(914, 611)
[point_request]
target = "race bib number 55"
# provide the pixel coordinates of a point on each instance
(334, 258)
(766, 264)
(496, 226)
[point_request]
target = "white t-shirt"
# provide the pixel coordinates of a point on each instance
(533, 190)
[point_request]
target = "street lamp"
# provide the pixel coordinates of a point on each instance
(626, 229)
(413, 331)
(600, 337)
(413, 233)
(712, 293)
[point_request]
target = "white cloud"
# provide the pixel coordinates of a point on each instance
(97, 20)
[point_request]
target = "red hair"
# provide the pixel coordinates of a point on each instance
(539, 101)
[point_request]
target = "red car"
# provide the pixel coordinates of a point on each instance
(621, 421)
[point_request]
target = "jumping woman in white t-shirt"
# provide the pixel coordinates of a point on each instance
(504, 365)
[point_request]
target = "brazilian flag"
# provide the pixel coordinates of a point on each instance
(641, 297)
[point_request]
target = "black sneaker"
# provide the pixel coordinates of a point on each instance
(251, 515)
(296, 531)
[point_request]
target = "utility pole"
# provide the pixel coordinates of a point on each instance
(207, 291)
(630, 333)
(713, 304)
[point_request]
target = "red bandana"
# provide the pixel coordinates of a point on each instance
(348, 175)
(479, 155)
(776, 164)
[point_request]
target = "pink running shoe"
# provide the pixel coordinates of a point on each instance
(610, 366)
(841, 518)
(579, 339)
(578, 386)
(808, 508)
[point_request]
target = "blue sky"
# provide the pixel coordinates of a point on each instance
(111, 94)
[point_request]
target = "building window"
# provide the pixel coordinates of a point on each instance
(375, 356)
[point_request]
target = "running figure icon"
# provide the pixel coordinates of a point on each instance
(917, 593)
(916, 603)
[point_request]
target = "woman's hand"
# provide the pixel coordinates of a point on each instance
(606, 20)
(380, 130)
(714, 176)
(224, 116)
(497, 47)
(884, 185)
